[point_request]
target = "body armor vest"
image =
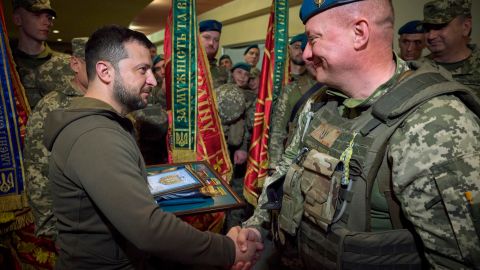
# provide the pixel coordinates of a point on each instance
(327, 192)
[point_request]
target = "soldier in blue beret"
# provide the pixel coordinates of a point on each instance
(382, 171)
(411, 41)
(210, 32)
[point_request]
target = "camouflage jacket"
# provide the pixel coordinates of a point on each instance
(423, 143)
(158, 96)
(467, 71)
(219, 74)
(280, 119)
(231, 110)
(42, 73)
(36, 159)
(250, 103)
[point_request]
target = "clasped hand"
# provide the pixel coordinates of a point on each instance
(248, 247)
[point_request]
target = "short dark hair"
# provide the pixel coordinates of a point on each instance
(107, 44)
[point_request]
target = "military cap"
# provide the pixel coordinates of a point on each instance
(35, 6)
(210, 25)
(225, 56)
(242, 65)
(443, 11)
(157, 59)
(249, 48)
(78, 46)
(312, 7)
(411, 27)
(300, 37)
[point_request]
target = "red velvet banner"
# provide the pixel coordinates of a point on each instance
(274, 76)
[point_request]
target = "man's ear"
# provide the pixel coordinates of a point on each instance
(17, 18)
(467, 27)
(74, 65)
(105, 71)
(361, 31)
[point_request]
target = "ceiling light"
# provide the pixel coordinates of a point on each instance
(55, 31)
(59, 39)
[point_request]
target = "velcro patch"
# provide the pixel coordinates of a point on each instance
(326, 134)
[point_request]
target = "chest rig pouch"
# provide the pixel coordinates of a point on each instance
(329, 188)
(310, 189)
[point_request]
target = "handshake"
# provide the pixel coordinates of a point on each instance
(248, 247)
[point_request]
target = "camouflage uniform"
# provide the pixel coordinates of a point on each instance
(231, 110)
(35, 154)
(158, 96)
(42, 73)
(467, 71)
(423, 143)
(250, 101)
(151, 124)
(219, 74)
(442, 12)
(280, 119)
(36, 159)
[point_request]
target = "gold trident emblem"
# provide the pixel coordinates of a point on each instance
(319, 2)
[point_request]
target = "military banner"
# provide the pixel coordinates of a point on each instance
(183, 80)
(274, 76)
(208, 138)
(14, 110)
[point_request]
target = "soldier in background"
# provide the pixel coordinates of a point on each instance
(36, 155)
(448, 27)
(287, 102)
(151, 123)
(225, 61)
(210, 32)
(231, 110)
(295, 49)
(153, 50)
(251, 56)
(34, 19)
(383, 171)
(158, 94)
(235, 103)
(411, 41)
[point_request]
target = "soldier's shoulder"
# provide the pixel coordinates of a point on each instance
(228, 87)
(51, 101)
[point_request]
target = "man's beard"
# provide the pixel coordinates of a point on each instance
(126, 97)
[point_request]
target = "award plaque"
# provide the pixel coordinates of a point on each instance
(191, 188)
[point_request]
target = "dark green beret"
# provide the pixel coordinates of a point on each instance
(300, 37)
(225, 56)
(241, 65)
(411, 27)
(312, 7)
(157, 59)
(250, 47)
(210, 25)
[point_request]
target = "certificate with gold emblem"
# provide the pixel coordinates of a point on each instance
(190, 188)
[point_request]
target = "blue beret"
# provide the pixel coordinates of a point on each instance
(411, 27)
(300, 37)
(250, 47)
(210, 25)
(313, 7)
(242, 65)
